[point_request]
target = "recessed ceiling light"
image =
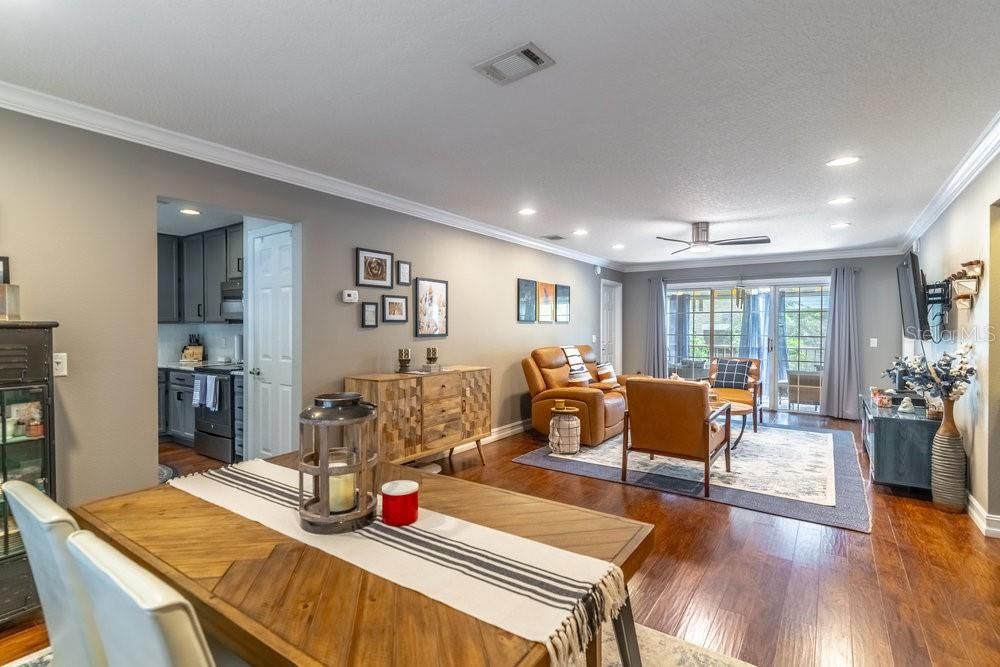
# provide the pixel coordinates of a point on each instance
(190, 211)
(579, 232)
(840, 225)
(701, 247)
(840, 201)
(527, 211)
(618, 246)
(843, 161)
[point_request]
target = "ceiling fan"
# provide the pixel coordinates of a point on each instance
(699, 239)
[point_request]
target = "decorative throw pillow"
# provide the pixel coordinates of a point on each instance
(574, 359)
(580, 378)
(732, 374)
(606, 373)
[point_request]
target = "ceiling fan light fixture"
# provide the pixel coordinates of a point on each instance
(840, 201)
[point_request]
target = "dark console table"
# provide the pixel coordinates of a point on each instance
(898, 444)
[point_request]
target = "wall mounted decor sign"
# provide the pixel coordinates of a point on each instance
(373, 268)
(546, 302)
(562, 303)
(431, 297)
(5, 270)
(403, 272)
(394, 308)
(369, 314)
(527, 300)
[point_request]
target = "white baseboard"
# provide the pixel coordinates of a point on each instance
(989, 524)
(498, 433)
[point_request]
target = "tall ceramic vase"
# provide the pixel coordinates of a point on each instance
(948, 464)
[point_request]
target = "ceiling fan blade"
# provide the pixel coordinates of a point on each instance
(743, 240)
(673, 240)
(681, 250)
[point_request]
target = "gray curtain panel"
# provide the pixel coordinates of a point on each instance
(842, 363)
(656, 334)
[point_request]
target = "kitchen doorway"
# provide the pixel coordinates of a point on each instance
(611, 324)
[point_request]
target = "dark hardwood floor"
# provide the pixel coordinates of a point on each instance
(923, 588)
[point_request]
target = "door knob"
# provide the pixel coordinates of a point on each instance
(254, 371)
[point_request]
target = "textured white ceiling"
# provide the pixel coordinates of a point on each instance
(656, 113)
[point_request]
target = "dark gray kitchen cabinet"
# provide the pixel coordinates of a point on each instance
(161, 396)
(180, 413)
(234, 252)
(193, 261)
(215, 273)
(168, 279)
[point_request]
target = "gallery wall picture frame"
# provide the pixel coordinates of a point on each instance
(562, 303)
(527, 300)
(369, 314)
(430, 298)
(546, 302)
(395, 308)
(403, 272)
(373, 268)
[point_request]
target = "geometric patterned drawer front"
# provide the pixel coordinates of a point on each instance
(476, 394)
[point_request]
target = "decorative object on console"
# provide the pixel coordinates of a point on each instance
(906, 405)
(546, 302)
(562, 303)
(337, 483)
(564, 429)
(945, 379)
(5, 270)
(404, 359)
(10, 302)
(394, 308)
(431, 297)
(369, 314)
(373, 268)
(403, 270)
(527, 300)
(432, 355)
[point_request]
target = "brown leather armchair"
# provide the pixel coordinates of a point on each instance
(601, 404)
(674, 418)
(748, 396)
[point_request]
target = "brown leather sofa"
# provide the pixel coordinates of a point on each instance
(601, 405)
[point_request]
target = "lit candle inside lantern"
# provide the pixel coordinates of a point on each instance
(341, 490)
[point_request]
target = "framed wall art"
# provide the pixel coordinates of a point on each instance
(431, 299)
(394, 308)
(403, 270)
(373, 268)
(546, 302)
(369, 314)
(562, 303)
(527, 300)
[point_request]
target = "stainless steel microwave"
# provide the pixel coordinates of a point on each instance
(232, 300)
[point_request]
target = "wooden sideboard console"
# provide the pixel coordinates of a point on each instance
(420, 415)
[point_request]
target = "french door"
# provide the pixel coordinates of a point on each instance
(783, 325)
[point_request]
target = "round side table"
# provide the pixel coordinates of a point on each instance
(564, 430)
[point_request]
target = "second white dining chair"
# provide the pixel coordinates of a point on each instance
(45, 527)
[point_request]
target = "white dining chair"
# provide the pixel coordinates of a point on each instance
(141, 620)
(44, 527)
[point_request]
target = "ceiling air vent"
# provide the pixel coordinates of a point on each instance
(554, 237)
(515, 64)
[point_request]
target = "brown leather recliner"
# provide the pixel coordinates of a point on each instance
(601, 405)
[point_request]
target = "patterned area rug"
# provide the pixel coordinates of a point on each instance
(40, 658)
(165, 473)
(811, 475)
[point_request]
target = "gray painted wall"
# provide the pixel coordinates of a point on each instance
(878, 297)
(78, 219)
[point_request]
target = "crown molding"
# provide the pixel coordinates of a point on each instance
(986, 148)
(764, 259)
(66, 112)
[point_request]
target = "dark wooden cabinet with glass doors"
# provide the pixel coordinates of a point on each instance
(26, 447)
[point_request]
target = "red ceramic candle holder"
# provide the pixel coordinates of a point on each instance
(399, 502)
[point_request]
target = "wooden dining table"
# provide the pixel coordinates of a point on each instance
(276, 601)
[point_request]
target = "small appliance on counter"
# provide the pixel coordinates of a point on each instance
(194, 350)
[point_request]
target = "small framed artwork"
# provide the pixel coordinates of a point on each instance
(4, 270)
(369, 314)
(403, 272)
(546, 302)
(431, 297)
(527, 300)
(562, 303)
(373, 268)
(394, 308)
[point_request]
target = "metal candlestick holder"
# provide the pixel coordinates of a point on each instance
(404, 359)
(337, 464)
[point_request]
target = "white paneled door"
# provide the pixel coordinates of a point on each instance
(611, 324)
(273, 409)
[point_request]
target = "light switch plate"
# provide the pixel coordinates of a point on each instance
(873, 342)
(593, 338)
(60, 364)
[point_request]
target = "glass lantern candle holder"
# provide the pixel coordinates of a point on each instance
(337, 464)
